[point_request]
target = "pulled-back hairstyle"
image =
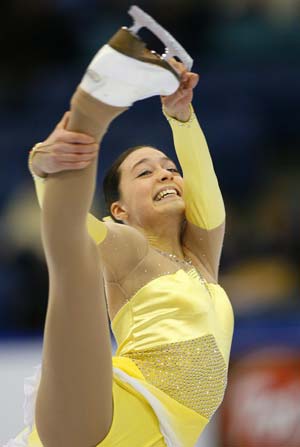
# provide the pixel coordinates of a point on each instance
(111, 180)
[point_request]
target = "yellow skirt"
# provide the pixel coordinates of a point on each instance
(134, 422)
(144, 416)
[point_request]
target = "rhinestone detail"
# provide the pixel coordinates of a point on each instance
(193, 372)
(193, 271)
(186, 124)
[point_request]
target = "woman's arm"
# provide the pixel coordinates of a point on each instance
(57, 154)
(68, 194)
(62, 151)
(95, 227)
(205, 213)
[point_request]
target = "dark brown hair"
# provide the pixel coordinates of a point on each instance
(111, 180)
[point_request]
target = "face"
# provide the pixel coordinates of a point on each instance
(146, 175)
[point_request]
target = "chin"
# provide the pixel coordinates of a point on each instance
(173, 209)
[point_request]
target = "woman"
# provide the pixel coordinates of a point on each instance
(172, 321)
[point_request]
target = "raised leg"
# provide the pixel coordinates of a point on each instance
(74, 402)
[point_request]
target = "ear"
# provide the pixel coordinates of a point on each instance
(118, 211)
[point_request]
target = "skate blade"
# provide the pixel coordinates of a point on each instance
(173, 48)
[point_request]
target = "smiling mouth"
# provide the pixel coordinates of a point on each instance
(166, 194)
(168, 197)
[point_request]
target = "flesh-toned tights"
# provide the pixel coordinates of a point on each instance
(74, 403)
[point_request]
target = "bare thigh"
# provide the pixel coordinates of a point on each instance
(74, 401)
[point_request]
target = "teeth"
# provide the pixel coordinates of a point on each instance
(164, 193)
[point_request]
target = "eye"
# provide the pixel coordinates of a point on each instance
(173, 170)
(144, 173)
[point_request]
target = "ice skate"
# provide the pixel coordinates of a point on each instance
(124, 70)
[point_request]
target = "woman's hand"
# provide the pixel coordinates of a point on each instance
(177, 105)
(64, 150)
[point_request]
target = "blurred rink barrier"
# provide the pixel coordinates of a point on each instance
(262, 402)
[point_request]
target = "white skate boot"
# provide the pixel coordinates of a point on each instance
(124, 70)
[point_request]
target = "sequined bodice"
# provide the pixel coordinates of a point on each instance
(178, 332)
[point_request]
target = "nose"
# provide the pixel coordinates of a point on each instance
(165, 174)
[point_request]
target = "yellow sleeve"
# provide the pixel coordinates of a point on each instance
(202, 195)
(96, 228)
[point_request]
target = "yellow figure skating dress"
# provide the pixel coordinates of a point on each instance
(174, 330)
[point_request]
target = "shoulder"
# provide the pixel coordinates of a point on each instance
(122, 249)
(119, 233)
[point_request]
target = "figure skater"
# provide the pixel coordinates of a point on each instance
(156, 261)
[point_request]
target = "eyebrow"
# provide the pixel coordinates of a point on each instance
(149, 159)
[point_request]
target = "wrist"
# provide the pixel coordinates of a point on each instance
(182, 120)
(34, 170)
(183, 115)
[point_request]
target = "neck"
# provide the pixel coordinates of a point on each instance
(166, 237)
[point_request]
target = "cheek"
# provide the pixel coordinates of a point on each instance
(137, 196)
(143, 193)
(181, 183)
(142, 196)
(127, 194)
